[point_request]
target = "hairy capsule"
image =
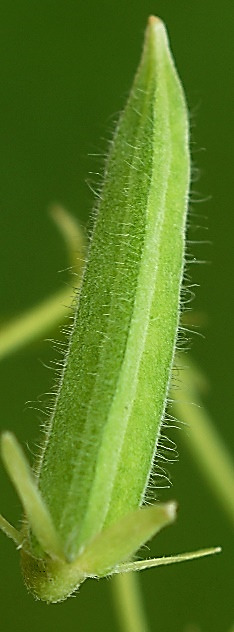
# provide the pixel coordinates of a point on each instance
(83, 514)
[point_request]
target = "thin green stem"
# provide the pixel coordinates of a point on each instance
(72, 234)
(202, 438)
(129, 603)
(35, 323)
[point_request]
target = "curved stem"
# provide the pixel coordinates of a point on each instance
(129, 603)
(35, 322)
(202, 438)
(49, 313)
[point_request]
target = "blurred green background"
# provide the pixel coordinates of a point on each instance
(66, 68)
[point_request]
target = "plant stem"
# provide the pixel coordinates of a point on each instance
(203, 439)
(129, 603)
(35, 322)
(49, 313)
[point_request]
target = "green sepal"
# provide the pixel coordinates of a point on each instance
(121, 540)
(10, 531)
(142, 565)
(25, 484)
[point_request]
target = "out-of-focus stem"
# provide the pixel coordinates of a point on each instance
(202, 438)
(35, 323)
(128, 603)
(50, 313)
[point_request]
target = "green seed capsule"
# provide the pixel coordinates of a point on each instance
(102, 438)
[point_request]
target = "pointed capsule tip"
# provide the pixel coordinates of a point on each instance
(155, 27)
(154, 21)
